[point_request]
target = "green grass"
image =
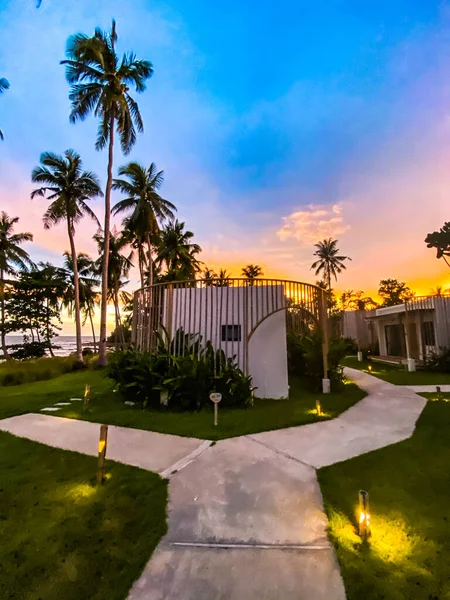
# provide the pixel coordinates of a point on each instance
(408, 554)
(64, 538)
(107, 407)
(17, 372)
(396, 375)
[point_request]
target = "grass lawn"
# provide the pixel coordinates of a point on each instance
(107, 407)
(408, 555)
(62, 538)
(397, 375)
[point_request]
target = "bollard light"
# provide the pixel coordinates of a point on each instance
(364, 515)
(87, 391)
(439, 393)
(102, 445)
(318, 408)
(369, 368)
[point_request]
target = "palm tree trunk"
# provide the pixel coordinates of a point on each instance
(103, 359)
(93, 330)
(150, 262)
(141, 263)
(47, 326)
(2, 309)
(76, 285)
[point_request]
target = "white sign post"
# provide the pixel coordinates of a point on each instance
(216, 398)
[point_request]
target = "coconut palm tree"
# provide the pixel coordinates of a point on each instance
(329, 261)
(100, 84)
(251, 272)
(177, 253)
(4, 85)
(119, 266)
(69, 188)
(12, 257)
(148, 210)
(88, 281)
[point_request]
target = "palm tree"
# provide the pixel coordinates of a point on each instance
(68, 188)
(100, 85)
(330, 262)
(12, 256)
(88, 281)
(177, 252)
(119, 266)
(4, 85)
(148, 209)
(251, 272)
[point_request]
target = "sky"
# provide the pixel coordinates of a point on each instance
(277, 124)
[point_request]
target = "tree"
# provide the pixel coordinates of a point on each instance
(148, 209)
(351, 300)
(119, 266)
(88, 281)
(393, 292)
(440, 240)
(4, 85)
(177, 253)
(251, 272)
(329, 262)
(100, 85)
(69, 188)
(12, 257)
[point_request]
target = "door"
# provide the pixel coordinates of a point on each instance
(413, 342)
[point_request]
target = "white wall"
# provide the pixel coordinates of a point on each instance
(205, 310)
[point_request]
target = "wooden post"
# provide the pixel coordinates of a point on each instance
(364, 515)
(439, 394)
(102, 453)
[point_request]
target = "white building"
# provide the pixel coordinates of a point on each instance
(246, 322)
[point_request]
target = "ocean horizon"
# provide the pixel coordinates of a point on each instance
(63, 345)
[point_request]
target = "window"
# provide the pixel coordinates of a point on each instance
(231, 333)
(428, 336)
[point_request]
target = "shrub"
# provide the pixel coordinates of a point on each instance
(305, 358)
(188, 379)
(439, 362)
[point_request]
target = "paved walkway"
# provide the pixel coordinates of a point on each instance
(246, 519)
(445, 387)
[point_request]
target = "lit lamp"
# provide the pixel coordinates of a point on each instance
(364, 515)
(87, 391)
(318, 408)
(369, 368)
(102, 444)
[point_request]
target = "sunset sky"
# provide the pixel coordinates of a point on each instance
(276, 123)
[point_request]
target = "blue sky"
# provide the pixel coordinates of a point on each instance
(276, 123)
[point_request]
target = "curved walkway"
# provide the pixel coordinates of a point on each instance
(246, 519)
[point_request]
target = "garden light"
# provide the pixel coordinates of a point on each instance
(318, 408)
(369, 368)
(216, 398)
(364, 515)
(439, 393)
(102, 445)
(87, 391)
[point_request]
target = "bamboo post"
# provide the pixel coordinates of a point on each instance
(102, 444)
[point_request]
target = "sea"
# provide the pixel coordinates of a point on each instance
(63, 345)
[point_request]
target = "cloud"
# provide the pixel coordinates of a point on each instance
(314, 223)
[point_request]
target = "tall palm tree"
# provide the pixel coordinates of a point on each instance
(178, 253)
(100, 85)
(329, 262)
(69, 188)
(88, 282)
(119, 266)
(251, 272)
(148, 209)
(12, 257)
(4, 85)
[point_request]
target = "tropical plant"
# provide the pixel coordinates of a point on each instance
(88, 281)
(148, 209)
(69, 189)
(119, 265)
(100, 84)
(4, 85)
(329, 262)
(351, 300)
(393, 292)
(177, 253)
(251, 272)
(440, 240)
(12, 257)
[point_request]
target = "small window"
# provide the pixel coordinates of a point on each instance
(231, 333)
(428, 336)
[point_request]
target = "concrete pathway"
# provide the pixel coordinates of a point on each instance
(246, 518)
(445, 387)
